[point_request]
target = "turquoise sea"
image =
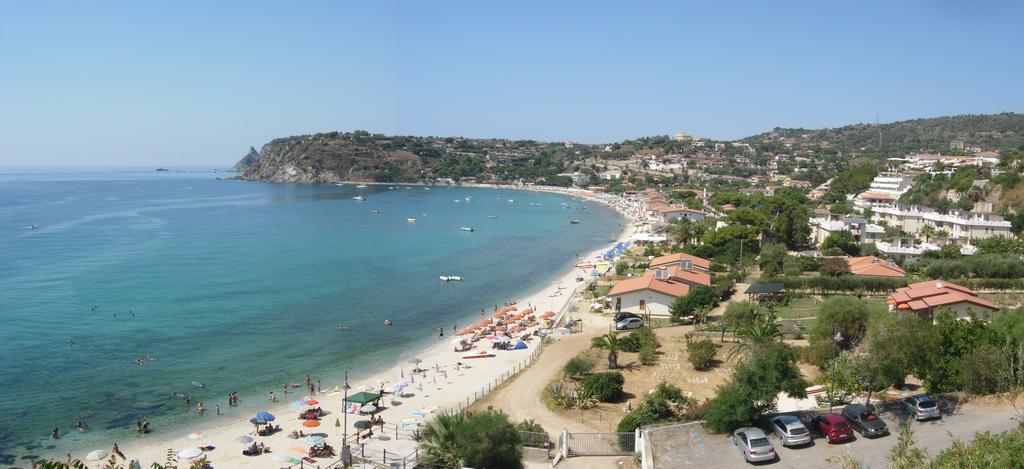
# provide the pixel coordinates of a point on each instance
(239, 286)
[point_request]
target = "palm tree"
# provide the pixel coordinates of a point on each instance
(927, 231)
(610, 343)
(941, 234)
(439, 439)
(764, 330)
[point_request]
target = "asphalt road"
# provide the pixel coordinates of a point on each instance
(932, 436)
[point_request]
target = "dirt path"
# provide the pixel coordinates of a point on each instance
(736, 296)
(520, 396)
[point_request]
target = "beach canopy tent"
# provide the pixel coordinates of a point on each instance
(765, 290)
(363, 397)
(520, 345)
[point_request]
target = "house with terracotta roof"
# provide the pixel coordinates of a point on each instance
(871, 266)
(654, 292)
(670, 213)
(928, 297)
(682, 259)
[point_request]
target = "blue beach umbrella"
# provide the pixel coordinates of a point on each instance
(257, 421)
(265, 416)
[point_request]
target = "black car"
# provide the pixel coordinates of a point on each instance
(863, 419)
(618, 317)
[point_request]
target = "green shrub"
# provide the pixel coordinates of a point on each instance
(635, 340)
(579, 366)
(606, 387)
(647, 354)
(701, 353)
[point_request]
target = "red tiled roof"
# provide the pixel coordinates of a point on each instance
(680, 257)
(877, 196)
(669, 287)
(871, 266)
(690, 276)
(925, 296)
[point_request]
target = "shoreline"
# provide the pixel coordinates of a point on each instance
(460, 390)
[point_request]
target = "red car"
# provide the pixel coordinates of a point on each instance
(834, 427)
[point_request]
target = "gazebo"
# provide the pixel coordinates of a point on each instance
(762, 291)
(362, 398)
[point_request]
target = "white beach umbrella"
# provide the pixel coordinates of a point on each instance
(190, 453)
(96, 455)
(313, 440)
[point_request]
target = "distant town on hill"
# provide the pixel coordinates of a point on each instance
(799, 157)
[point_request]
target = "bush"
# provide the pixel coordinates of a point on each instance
(667, 403)
(647, 352)
(635, 341)
(607, 386)
(701, 353)
(579, 366)
(698, 296)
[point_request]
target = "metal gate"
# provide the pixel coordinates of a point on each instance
(600, 444)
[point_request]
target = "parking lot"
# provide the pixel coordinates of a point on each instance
(692, 447)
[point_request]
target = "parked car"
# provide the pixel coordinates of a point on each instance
(863, 419)
(922, 407)
(618, 317)
(753, 444)
(629, 323)
(834, 427)
(790, 430)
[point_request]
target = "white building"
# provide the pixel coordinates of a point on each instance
(961, 226)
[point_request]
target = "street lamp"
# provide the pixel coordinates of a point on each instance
(835, 356)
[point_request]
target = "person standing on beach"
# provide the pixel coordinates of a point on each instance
(272, 397)
(285, 387)
(318, 386)
(218, 409)
(440, 332)
(138, 426)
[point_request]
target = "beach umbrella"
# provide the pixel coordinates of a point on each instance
(96, 455)
(281, 457)
(244, 439)
(195, 436)
(257, 421)
(312, 402)
(265, 416)
(190, 453)
(313, 440)
(311, 423)
(368, 409)
(362, 424)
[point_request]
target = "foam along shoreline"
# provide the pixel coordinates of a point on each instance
(442, 386)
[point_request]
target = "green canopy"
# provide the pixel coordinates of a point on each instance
(759, 288)
(363, 397)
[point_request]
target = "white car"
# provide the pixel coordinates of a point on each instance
(629, 323)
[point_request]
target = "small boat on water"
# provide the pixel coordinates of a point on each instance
(469, 199)
(359, 198)
(339, 184)
(391, 188)
(467, 228)
(492, 216)
(361, 186)
(450, 278)
(426, 188)
(456, 201)
(535, 204)
(410, 220)
(375, 212)
(574, 222)
(511, 201)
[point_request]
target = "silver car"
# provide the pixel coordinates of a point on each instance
(753, 444)
(629, 323)
(790, 430)
(922, 407)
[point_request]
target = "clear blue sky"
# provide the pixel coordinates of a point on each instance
(197, 83)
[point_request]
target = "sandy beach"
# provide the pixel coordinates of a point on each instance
(443, 385)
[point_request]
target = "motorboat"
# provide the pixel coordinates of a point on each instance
(574, 222)
(492, 216)
(426, 188)
(450, 278)
(361, 186)
(410, 220)
(339, 184)
(359, 198)
(456, 201)
(469, 199)
(375, 212)
(467, 228)
(511, 201)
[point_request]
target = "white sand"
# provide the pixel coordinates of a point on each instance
(433, 390)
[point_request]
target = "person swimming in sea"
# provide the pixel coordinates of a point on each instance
(81, 426)
(387, 322)
(342, 327)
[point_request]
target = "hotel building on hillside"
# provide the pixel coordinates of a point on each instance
(962, 226)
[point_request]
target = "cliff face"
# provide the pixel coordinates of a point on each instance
(329, 158)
